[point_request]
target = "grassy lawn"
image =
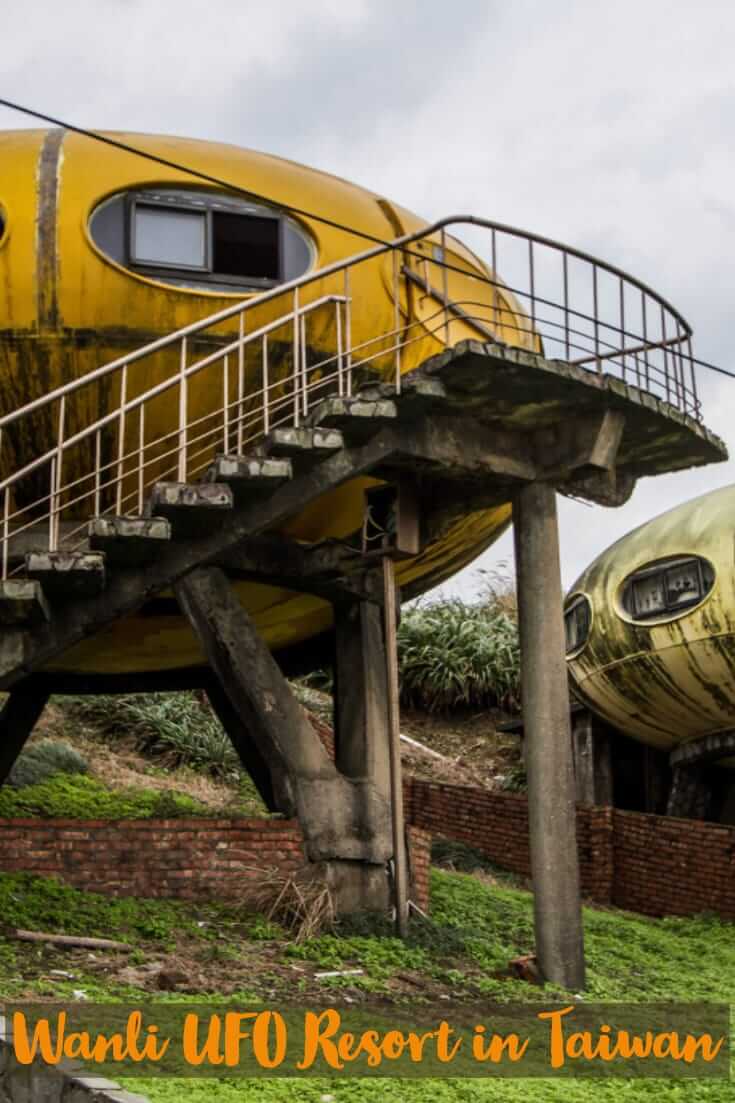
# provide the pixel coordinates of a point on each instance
(476, 927)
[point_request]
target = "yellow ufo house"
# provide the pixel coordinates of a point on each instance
(650, 626)
(106, 251)
(102, 252)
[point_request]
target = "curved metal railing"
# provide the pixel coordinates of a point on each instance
(554, 299)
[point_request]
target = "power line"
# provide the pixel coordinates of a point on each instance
(209, 178)
(126, 148)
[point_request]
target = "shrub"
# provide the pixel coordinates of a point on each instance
(456, 655)
(42, 760)
(178, 728)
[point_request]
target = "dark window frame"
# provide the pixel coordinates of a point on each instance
(575, 602)
(206, 274)
(660, 568)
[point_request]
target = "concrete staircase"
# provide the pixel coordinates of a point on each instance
(67, 594)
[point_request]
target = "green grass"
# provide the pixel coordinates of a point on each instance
(630, 959)
(454, 655)
(475, 928)
(46, 904)
(76, 796)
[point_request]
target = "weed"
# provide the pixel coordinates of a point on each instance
(178, 728)
(456, 655)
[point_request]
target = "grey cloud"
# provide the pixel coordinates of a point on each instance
(609, 126)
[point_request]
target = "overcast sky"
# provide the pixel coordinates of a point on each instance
(608, 126)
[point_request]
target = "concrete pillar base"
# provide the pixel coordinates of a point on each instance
(358, 887)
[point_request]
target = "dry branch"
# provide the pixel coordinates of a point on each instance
(72, 940)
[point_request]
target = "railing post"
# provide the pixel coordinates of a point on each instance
(225, 404)
(296, 418)
(183, 413)
(445, 285)
(338, 324)
(56, 511)
(645, 340)
(121, 438)
(622, 325)
(6, 530)
(141, 457)
(348, 331)
(694, 379)
(396, 324)
(52, 504)
(567, 348)
(266, 397)
(666, 356)
(595, 317)
(532, 288)
(240, 379)
(97, 465)
(494, 265)
(304, 366)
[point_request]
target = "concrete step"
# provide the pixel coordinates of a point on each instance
(249, 476)
(356, 418)
(420, 394)
(67, 574)
(22, 603)
(190, 508)
(129, 541)
(302, 446)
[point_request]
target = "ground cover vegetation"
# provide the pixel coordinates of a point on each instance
(479, 921)
(163, 755)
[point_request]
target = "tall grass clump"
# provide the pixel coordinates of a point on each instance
(455, 655)
(179, 729)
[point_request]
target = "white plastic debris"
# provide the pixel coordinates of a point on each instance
(340, 973)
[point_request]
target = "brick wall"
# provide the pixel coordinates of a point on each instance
(655, 865)
(419, 856)
(184, 858)
(190, 859)
(666, 866)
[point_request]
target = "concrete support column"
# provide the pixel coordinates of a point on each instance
(17, 720)
(548, 742)
(247, 750)
(592, 760)
(360, 693)
(346, 821)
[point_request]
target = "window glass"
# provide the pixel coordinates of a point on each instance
(198, 239)
(683, 584)
(648, 595)
(666, 587)
(171, 237)
(577, 623)
(245, 245)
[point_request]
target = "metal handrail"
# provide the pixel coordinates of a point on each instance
(518, 314)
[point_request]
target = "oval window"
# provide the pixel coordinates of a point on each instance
(577, 623)
(667, 587)
(201, 239)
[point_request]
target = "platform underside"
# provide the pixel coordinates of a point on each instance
(476, 423)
